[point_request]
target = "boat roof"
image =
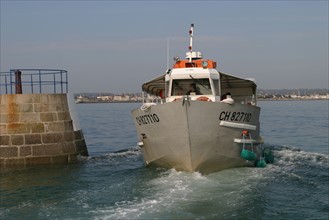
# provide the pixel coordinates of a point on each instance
(156, 86)
(230, 82)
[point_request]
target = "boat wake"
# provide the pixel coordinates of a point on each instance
(125, 153)
(136, 151)
(232, 189)
(293, 164)
(293, 156)
(121, 160)
(302, 175)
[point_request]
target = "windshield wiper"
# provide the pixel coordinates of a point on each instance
(200, 82)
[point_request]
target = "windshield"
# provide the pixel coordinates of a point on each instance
(191, 87)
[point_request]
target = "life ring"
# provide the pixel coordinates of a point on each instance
(204, 98)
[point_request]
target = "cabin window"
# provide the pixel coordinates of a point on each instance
(191, 87)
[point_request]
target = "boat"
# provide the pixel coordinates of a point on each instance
(195, 118)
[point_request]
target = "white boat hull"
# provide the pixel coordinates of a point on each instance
(197, 135)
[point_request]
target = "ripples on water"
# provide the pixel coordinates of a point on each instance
(114, 184)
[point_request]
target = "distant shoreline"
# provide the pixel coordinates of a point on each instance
(265, 100)
(262, 95)
(291, 99)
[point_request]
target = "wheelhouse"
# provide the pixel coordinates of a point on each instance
(175, 84)
(196, 78)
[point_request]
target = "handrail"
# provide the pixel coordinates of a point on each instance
(33, 81)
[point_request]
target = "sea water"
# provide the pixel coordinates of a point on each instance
(112, 183)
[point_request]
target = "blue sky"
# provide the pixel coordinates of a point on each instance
(115, 46)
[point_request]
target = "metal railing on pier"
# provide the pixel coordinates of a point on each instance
(18, 81)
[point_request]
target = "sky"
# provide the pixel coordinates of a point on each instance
(115, 46)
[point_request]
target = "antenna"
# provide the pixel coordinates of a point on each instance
(167, 53)
(191, 41)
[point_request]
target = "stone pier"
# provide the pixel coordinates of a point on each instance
(39, 129)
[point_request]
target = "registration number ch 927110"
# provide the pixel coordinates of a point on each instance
(235, 116)
(147, 119)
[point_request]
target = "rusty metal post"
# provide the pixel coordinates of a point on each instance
(18, 82)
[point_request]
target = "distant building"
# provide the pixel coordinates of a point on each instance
(121, 98)
(104, 98)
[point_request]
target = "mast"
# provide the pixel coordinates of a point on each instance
(167, 53)
(191, 42)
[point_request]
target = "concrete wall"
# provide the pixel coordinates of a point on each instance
(38, 129)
